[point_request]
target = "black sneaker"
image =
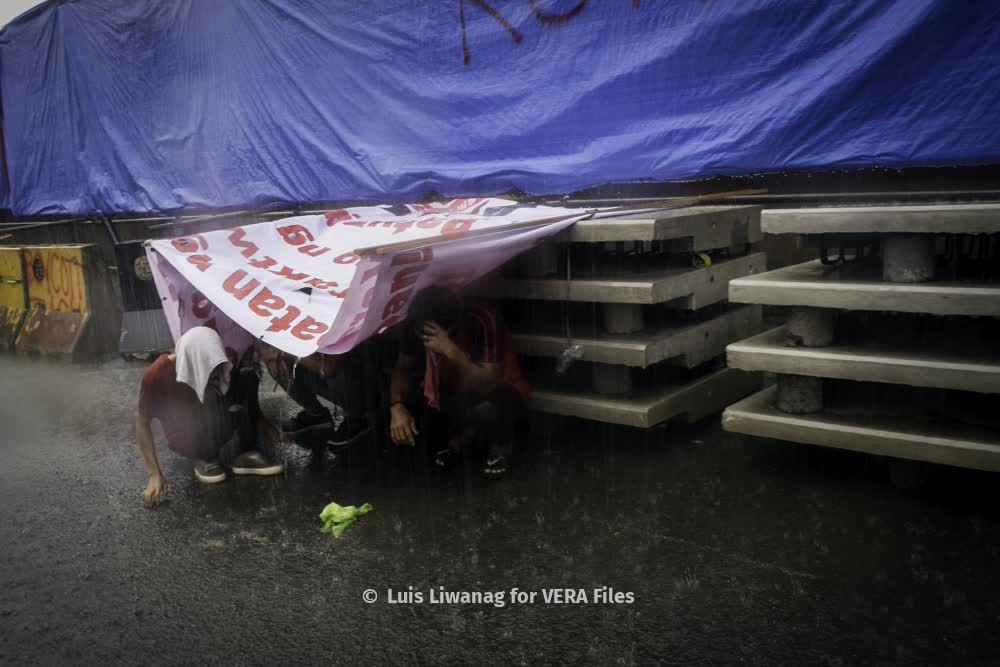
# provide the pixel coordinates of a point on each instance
(495, 467)
(348, 431)
(255, 463)
(209, 472)
(304, 422)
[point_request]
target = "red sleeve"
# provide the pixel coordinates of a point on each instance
(150, 390)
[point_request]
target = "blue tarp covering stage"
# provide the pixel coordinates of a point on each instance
(160, 105)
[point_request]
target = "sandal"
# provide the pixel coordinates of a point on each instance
(495, 467)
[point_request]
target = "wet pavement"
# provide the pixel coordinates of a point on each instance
(736, 550)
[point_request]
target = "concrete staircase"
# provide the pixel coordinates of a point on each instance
(892, 339)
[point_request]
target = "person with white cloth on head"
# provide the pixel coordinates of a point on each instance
(207, 404)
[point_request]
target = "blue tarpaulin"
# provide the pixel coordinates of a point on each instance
(160, 105)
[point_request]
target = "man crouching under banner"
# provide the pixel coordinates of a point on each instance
(472, 394)
(208, 410)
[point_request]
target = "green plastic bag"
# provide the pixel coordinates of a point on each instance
(337, 518)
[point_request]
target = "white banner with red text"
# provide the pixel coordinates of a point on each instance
(298, 285)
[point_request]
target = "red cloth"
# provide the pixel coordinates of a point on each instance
(175, 404)
(431, 379)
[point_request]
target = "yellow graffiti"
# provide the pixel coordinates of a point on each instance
(12, 285)
(55, 278)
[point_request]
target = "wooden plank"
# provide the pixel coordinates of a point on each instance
(693, 288)
(686, 344)
(689, 402)
(922, 366)
(813, 284)
(931, 219)
(697, 228)
(968, 447)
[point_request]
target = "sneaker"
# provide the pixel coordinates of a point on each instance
(209, 472)
(305, 421)
(495, 467)
(348, 431)
(254, 463)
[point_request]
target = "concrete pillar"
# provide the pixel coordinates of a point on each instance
(811, 327)
(539, 262)
(909, 258)
(612, 380)
(799, 394)
(622, 318)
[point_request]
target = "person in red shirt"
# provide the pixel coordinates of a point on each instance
(471, 387)
(208, 410)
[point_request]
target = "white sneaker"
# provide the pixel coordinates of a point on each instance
(209, 472)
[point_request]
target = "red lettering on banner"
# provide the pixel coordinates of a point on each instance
(295, 234)
(421, 255)
(346, 258)
(284, 322)
(264, 301)
(265, 263)
(338, 295)
(322, 284)
(396, 304)
(356, 324)
(457, 226)
(240, 292)
(405, 277)
(366, 300)
(429, 224)
(403, 226)
(289, 272)
(313, 250)
(189, 243)
(308, 328)
(401, 287)
(236, 238)
(201, 307)
(370, 273)
(201, 262)
(333, 217)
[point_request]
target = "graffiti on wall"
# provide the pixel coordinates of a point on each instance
(55, 278)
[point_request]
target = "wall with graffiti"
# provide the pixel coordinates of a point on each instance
(70, 306)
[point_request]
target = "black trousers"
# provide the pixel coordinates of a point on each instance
(354, 386)
(489, 423)
(226, 426)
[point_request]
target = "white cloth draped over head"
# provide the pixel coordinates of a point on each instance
(199, 352)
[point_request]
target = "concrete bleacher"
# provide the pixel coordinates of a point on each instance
(892, 352)
(642, 300)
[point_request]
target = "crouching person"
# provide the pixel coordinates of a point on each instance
(208, 410)
(472, 392)
(344, 380)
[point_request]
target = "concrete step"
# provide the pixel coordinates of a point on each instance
(851, 288)
(696, 228)
(686, 344)
(914, 365)
(900, 437)
(932, 219)
(687, 288)
(689, 402)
